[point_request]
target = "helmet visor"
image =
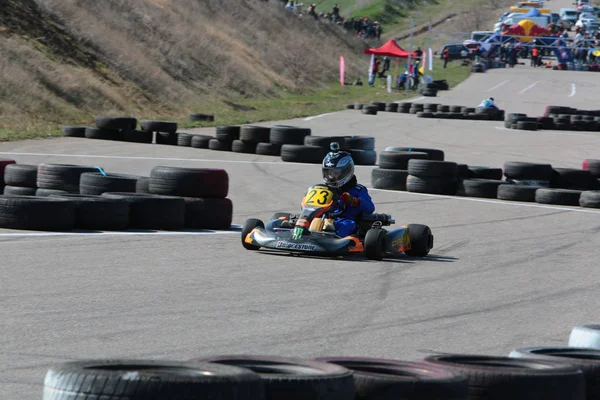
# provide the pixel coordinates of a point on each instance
(332, 176)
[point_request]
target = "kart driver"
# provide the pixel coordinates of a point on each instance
(338, 171)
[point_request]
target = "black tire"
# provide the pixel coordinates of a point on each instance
(166, 138)
(399, 159)
(36, 213)
(421, 240)
(587, 360)
(431, 107)
(74, 131)
(485, 188)
(21, 175)
(380, 106)
(456, 109)
(213, 214)
(189, 182)
(527, 126)
(325, 141)
(184, 139)
(220, 145)
(443, 108)
(477, 172)
(248, 226)
(136, 136)
(571, 178)
(429, 92)
(517, 192)
(116, 123)
(528, 171)
(147, 211)
(425, 114)
(360, 142)
(391, 107)
(293, 378)
(97, 212)
(102, 134)
(462, 171)
(349, 106)
(18, 191)
(382, 379)
(94, 183)
(143, 185)
(61, 176)
(197, 117)
(201, 141)
(255, 134)
(363, 157)
(593, 166)
(238, 146)
(358, 106)
(390, 179)
(370, 110)
(146, 379)
(159, 126)
(268, 149)
(432, 168)
(564, 197)
(433, 154)
(375, 244)
(590, 198)
(48, 192)
(302, 153)
(228, 133)
(507, 378)
(284, 134)
(430, 185)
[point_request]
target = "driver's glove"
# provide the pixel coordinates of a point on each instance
(347, 198)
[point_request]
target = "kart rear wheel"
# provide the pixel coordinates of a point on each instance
(248, 226)
(375, 243)
(421, 240)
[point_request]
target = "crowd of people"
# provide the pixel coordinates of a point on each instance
(363, 27)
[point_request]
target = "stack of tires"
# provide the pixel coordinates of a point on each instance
(428, 92)
(315, 148)
(203, 194)
(432, 176)
(480, 182)
(441, 111)
(558, 118)
(96, 200)
(393, 169)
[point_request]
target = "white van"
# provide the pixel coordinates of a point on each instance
(481, 36)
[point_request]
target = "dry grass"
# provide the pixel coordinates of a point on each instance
(74, 59)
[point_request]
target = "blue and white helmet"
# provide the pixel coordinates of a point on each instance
(338, 167)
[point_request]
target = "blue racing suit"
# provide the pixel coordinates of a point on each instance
(345, 224)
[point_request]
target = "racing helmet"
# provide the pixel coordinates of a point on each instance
(338, 167)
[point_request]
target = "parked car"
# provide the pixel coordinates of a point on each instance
(457, 52)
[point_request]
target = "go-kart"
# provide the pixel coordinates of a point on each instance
(309, 233)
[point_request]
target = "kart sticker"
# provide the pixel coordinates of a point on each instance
(296, 246)
(318, 196)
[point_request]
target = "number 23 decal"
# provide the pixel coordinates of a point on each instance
(320, 197)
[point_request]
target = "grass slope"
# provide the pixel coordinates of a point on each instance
(71, 60)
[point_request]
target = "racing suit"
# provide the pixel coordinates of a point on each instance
(346, 223)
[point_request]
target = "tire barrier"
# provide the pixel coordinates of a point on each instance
(440, 111)
(424, 170)
(557, 118)
(552, 373)
(82, 197)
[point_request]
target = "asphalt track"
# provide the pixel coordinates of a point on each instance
(501, 274)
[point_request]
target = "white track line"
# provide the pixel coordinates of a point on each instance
(159, 233)
(498, 85)
(317, 116)
(573, 90)
(528, 87)
(16, 153)
(490, 201)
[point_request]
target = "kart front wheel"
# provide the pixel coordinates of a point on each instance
(421, 240)
(375, 244)
(248, 226)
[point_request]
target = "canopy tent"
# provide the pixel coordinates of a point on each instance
(525, 30)
(390, 49)
(533, 13)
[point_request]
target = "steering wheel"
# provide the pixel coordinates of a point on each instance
(337, 204)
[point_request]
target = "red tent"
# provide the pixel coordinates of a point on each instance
(390, 49)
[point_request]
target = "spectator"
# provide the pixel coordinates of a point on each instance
(419, 52)
(335, 12)
(386, 65)
(446, 56)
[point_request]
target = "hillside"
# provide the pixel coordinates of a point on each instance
(64, 61)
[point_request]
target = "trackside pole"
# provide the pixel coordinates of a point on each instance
(409, 77)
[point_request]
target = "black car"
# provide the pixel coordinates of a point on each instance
(456, 51)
